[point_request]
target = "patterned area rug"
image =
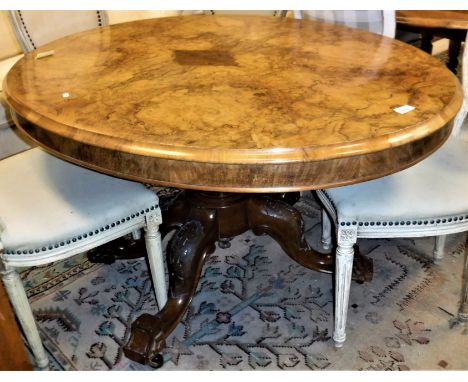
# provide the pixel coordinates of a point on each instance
(256, 309)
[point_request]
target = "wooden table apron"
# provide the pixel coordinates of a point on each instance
(229, 108)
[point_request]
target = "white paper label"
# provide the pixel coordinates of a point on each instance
(404, 109)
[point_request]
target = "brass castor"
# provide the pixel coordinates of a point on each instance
(156, 361)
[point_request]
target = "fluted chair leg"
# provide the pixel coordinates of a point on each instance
(19, 300)
(155, 257)
(439, 248)
(326, 230)
(347, 237)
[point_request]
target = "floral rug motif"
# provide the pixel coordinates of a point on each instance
(256, 309)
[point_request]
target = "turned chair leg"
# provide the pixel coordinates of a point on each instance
(347, 237)
(326, 230)
(155, 257)
(439, 248)
(463, 312)
(19, 300)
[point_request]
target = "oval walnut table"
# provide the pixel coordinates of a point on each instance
(229, 108)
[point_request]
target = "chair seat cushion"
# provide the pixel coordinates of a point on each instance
(435, 187)
(45, 201)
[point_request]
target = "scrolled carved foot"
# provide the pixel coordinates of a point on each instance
(146, 341)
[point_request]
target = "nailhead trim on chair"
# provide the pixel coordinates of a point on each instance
(83, 235)
(408, 222)
(99, 18)
(26, 30)
(398, 223)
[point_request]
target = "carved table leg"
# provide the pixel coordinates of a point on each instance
(201, 219)
(186, 256)
(284, 224)
(121, 248)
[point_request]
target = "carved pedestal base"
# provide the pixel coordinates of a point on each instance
(201, 219)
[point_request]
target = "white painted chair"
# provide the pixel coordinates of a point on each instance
(428, 199)
(51, 210)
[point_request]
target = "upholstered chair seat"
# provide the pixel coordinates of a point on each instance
(411, 198)
(49, 206)
(51, 209)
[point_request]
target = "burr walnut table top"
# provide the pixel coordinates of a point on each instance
(434, 19)
(244, 103)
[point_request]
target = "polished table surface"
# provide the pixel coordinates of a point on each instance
(435, 19)
(232, 104)
(246, 104)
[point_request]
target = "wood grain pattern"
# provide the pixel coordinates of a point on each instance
(245, 104)
(434, 19)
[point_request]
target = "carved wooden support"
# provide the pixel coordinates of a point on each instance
(201, 219)
(121, 248)
(186, 255)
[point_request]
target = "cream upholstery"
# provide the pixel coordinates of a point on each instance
(247, 12)
(118, 16)
(69, 204)
(9, 45)
(5, 66)
(36, 28)
(414, 197)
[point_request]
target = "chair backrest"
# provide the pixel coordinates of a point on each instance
(376, 21)
(119, 16)
(9, 46)
(247, 13)
(36, 28)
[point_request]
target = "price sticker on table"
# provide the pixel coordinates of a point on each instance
(404, 109)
